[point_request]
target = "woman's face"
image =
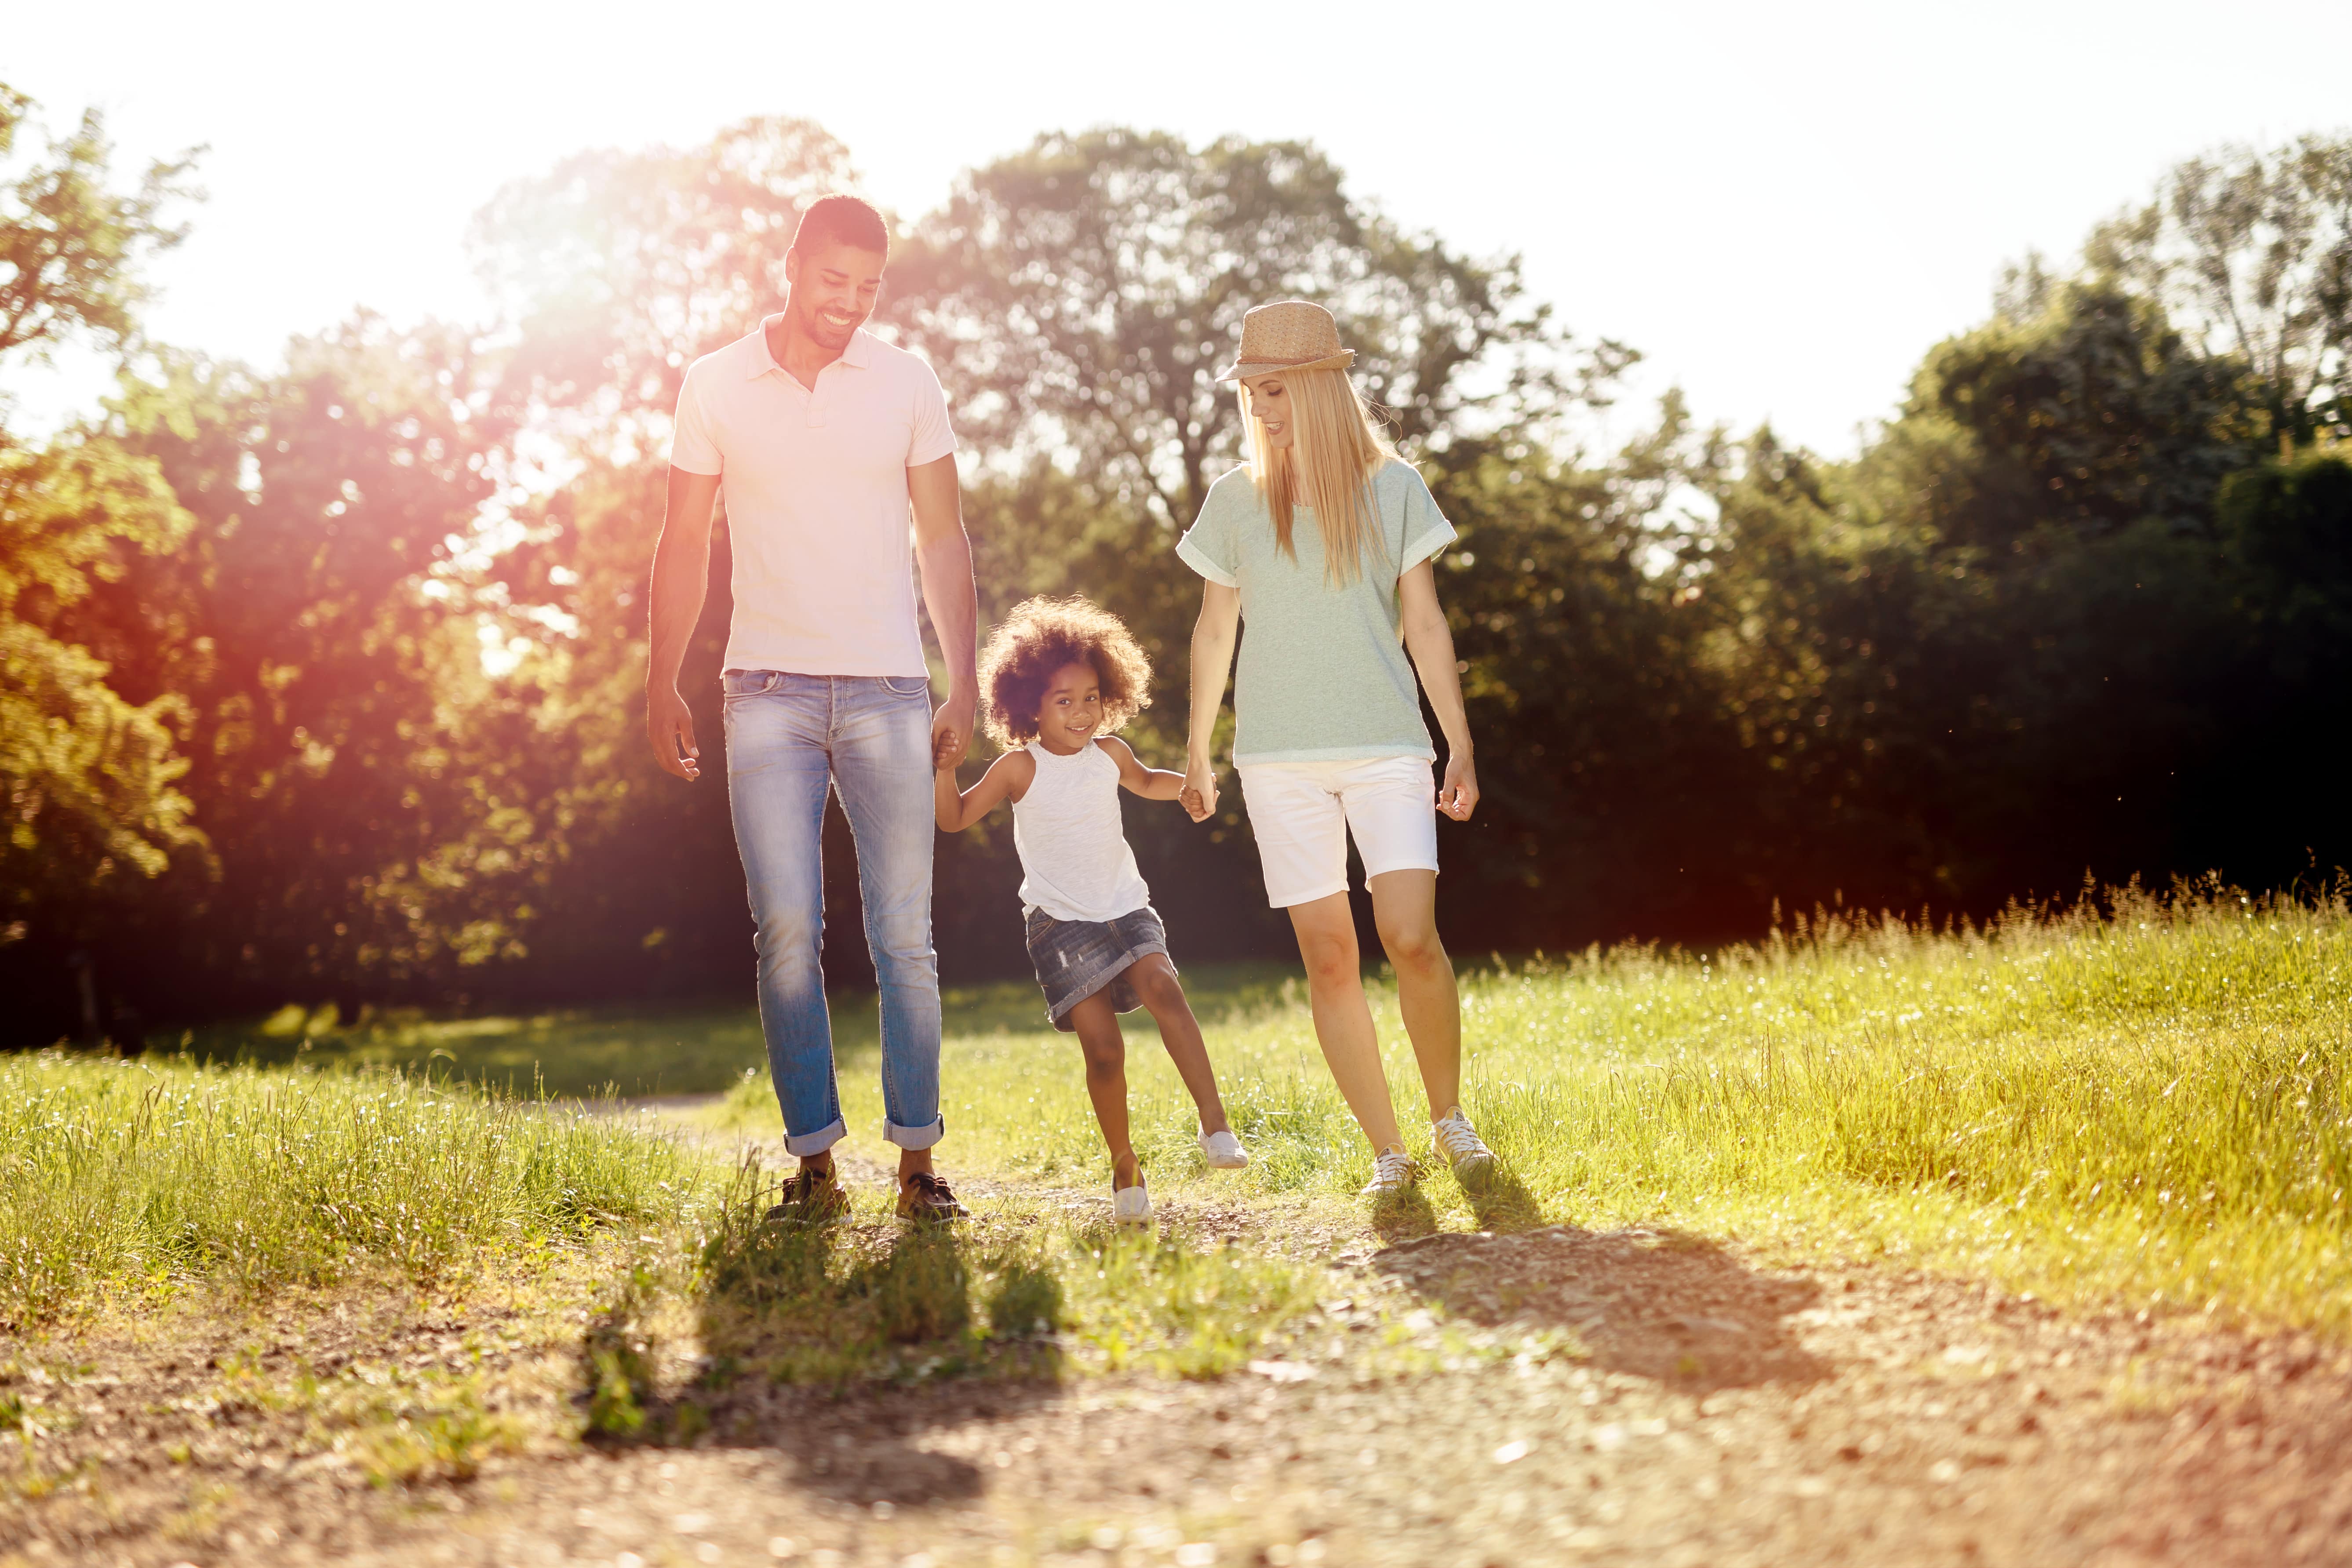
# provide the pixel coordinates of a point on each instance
(1269, 403)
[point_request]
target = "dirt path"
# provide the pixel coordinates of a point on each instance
(1666, 1402)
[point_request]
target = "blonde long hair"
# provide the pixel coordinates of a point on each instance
(1335, 450)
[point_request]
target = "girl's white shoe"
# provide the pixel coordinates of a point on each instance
(1392, 1172)
(1130, 1205)
(1224, 1151)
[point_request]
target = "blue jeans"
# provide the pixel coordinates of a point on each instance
(870, 738)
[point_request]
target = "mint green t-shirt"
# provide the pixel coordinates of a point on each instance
(1323, 672)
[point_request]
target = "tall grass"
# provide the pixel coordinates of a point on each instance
(118, 1175)
(2145, 1099)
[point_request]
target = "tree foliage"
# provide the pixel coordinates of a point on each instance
(323, 680)
(2251, 252)
(87, 775)
(69, 244)
(619, 269)
(1082, 295)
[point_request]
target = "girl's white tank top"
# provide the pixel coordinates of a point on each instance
(1075, 860)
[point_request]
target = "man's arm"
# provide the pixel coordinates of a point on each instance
(944, 553)
(681, 575)
(1429, 641)
(1214, 635)
(1151, 784)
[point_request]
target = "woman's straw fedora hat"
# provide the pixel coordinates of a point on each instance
(1289, 334)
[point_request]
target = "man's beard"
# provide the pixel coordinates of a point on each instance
(824, 330)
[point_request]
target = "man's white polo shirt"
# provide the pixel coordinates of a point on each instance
(817, 509)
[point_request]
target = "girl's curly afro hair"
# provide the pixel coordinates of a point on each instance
(1042, 636)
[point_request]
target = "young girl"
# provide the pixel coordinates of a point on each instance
(1061, 675)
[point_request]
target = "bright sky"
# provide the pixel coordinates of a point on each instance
(1781, 206)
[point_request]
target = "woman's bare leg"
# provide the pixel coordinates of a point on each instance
(1106, 1053)
(1162, 995)
(1343, 1020)
(1404, 907)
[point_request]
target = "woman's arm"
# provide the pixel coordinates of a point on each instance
(1214, 635)
(1151, 784)
(1429, 641)
(1008, 777)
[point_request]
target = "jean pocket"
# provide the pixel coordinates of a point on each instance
(749, 682)
(906, 685)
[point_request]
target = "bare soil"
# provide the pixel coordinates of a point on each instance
(1627, 1396)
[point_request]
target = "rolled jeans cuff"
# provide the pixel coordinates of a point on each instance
(914, 1137)
(802, 1145)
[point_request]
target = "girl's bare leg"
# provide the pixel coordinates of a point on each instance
(1155, 982)
(1404, 907)
(1343, 1020)
(1106, 1053)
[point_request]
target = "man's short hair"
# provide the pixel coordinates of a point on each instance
(842, 220)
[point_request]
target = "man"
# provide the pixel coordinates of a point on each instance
(822, 437)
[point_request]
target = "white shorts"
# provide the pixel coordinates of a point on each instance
(1302, 813)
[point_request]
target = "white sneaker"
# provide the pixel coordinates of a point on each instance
(1223, 1149)
(1473, 1163)
(1392, 1172)
(1131, 1205)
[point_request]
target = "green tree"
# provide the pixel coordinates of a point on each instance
(88, 776)
(1615, 793)
(619, 269)
(71, 246)
(1079, 297)
(1985, 656)
(2251, 252)
(366, 784)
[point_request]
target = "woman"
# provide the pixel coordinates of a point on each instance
(1324, 544)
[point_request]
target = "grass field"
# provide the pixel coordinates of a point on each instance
(581, 1053)
(2145, 1104)
(118, 1178)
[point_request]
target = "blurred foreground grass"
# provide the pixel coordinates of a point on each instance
(589, 1053)
(582, 1053)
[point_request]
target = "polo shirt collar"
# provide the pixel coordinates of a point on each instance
(857, 355)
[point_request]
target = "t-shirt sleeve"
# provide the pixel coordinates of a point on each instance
(1208, 546)
(1426, 531)
(691, 446)
(931, 438)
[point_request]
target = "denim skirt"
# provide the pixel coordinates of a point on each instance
(1075, 959)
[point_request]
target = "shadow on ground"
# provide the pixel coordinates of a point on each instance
(1658, 1304)
(924, 1325)
(1501, 1204)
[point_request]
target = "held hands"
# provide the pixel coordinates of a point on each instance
(1199, 796)
(952, 730)
(670, 727)
(1457, 797)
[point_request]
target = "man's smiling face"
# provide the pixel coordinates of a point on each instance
(834, 288)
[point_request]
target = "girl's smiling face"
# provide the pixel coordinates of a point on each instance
(1071, 710)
